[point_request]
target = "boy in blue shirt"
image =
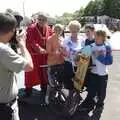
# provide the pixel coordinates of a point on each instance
(98, 77)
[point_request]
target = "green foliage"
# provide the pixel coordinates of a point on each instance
(94, 8)
(112, 8)
(65, 18)
(103, 7)
(78, 14)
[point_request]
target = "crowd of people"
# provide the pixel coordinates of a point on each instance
(41, 46)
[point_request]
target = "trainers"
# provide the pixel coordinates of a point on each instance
(97, 113)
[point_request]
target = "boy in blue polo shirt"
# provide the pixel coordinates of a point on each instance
(101, 58)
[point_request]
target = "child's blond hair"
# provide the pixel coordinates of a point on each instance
(76, 24)
(102, 33)
(58, 26)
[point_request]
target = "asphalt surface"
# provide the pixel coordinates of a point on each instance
(112, 103)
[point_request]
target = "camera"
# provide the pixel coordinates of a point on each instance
(13, 42)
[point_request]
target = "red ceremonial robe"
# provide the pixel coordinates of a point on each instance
(36, 37)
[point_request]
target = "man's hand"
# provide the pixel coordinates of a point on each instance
(42, 51)
(21, 37)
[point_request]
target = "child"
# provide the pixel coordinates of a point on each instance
(90, 38)
(101, 57)
(54, 46)
(73, 43)
(54, 49)
(90, 33)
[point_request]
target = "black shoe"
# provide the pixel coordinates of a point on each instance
(97, 113)
(43, 94)
(42, 99)
(43, 104)
(85, 108)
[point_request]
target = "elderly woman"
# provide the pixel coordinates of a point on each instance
(73, 43)
(37, 34)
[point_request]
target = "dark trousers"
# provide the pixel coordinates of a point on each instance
(63, 73)
(8, 112)
(68, 75)
(5, 113)
(96, 88)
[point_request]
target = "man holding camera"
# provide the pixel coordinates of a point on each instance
(10, 64)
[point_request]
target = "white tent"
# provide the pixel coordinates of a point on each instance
(115, 41)
(102, 27)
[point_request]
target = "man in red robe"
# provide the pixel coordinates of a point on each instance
(37, 35)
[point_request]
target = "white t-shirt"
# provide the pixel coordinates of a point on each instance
(72, 48)
(99, 68)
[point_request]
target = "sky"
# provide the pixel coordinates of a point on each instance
(53, 7)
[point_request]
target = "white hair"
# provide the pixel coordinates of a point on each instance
(42, 14)
(74, 23)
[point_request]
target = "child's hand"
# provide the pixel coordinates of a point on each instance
(58, 55)
(63, 51)
(98, 52)
(76, 63)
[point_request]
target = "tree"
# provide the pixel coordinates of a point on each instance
(112, 8)
(89, 9)
(94, 8)
(78, 14)
(65, 18)
(103, 7)
(51, 21)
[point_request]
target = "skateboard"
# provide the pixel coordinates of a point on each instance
(83, 59)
